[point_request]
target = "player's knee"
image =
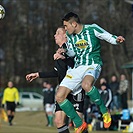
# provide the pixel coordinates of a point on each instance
(87, 86)
(59, 98)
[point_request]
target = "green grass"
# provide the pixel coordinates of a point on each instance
(32, 122)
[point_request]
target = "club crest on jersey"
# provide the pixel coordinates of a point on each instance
(81, 44)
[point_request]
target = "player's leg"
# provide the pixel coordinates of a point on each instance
(12, 117)
(12, 114)
(93, 92)
(9, 116)
(88, 85)
(67, 106)
(60, 122)
(72, 81)
(46, 115)
(9, 112)
(60, 116)
(49, 111)
(78, 103)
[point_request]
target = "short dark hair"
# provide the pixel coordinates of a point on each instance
(62, 26)
(71, 16)
(47, 82)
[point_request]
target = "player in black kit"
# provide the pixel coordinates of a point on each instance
(59, 70)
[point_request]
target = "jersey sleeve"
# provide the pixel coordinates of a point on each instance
(108, 102)
(17, 95)
(50, 74)
(69, 47)
(104, 35)
(4, 97)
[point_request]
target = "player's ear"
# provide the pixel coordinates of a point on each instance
(74, 24)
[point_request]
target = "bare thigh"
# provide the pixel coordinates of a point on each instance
(88, 82)
(62, 93)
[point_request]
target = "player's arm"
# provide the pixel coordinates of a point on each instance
(30, 77)
(17, 96)
(4, 98)
(59, 54)
(63, 53)
(50, 74)
(69, 61)
(104, 35)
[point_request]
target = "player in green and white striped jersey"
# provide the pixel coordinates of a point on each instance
(84, 44)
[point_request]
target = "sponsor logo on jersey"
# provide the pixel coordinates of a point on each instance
(69, 76)
(90, 68)
(81, 44)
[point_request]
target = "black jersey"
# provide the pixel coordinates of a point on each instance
(59, 69)
(48, 96)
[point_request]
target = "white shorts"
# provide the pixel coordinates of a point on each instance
(74, 77)
(49, 107)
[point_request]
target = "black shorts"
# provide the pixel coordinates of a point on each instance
(10, 106)
(77, 101)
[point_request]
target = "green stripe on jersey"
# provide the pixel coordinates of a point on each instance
(86, 46)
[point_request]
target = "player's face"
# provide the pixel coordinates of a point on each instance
(69, 27)
(10, 84)
(103, 87)
(122, 77)
(60, 36)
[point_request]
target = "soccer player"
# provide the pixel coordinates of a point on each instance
(11, 99)
(48, 102)
(85, 41)
(59, 71)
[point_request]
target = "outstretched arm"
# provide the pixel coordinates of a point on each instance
(30, 77)
(104, 35)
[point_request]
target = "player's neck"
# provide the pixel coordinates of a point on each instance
(60, 45)
(79, 28)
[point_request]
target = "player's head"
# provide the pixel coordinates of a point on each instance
(103, 80)
(10, 84)
(71, 17)
(70, 22)
(60, 36)
(113, 78)
(122, 77)
(45, 84)
(103, 86)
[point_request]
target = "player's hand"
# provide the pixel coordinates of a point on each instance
(2, 105)
(17, 104)
(32, 76)
(61, 50)
(120, 39)
(58, 56)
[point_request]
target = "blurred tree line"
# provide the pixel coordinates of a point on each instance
(27, 35)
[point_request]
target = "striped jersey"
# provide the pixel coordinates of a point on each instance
(10, 95)
(86, 47)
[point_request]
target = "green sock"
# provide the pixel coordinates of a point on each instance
(68, 108)
(96, 98)
(50, 119)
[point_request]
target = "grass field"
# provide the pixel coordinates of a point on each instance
(32, 122)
